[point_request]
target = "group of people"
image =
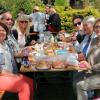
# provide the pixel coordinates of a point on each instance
(87, 35)
(86, 41)
(15, 35)
(91, 53)
(10, 79)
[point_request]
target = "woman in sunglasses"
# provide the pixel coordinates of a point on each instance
(9, 81)
(22, 27)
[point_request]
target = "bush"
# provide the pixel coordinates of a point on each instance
(66, 13)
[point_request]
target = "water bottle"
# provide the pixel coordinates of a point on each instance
(52, 39)
(41, 36)
(25, 52)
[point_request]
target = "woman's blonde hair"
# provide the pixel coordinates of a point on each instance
(22, 17)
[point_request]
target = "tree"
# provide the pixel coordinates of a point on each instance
(15, 5)
(86, 3)
(97, 4)
(50, 2)
(72, 3)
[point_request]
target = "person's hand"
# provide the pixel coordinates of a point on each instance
(25, 51)
(84, 64)
(33, 33)
(33, 42)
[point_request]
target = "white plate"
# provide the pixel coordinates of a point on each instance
(42, 68)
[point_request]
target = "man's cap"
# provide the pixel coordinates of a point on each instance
(36, 8)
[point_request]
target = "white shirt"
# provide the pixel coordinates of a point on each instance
(38, 20)
(83, 43)
(21, 39)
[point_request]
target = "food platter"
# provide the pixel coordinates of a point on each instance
(43, 65)
(52, 56)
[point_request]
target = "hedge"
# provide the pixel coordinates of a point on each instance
(66, 13)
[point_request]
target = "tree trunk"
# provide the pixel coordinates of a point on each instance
(72, 3)
(86, 3)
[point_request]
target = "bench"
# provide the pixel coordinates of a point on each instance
(1, 94)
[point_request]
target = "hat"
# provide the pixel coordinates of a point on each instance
(89, 19)
(36, 8)
(22, 17)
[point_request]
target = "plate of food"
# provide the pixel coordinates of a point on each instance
(84, 65)
(43, 65)
(58, 65)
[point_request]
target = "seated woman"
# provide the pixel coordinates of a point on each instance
(10, 81)
(22, 27)
(92, 82)
(63, 36)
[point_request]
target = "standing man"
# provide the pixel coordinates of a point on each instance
(38, 20)
(54, 22)
(47, 15)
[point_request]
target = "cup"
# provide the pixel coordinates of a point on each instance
(25, 52)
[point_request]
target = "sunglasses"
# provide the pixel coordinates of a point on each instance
(23, 21)
(8, 19)
(78, 23)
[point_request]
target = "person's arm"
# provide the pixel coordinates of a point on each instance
(18, 54)
(24, 52)
(10, 74)
(7, 73)
(3, 66)
(96, 67)
(33, 33)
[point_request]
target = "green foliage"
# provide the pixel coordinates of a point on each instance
(15, 5)
(66, 13)
(61, 2)
(97, 4)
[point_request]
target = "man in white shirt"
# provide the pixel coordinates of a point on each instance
(38, 20)
(84, 46)
(88, 23)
